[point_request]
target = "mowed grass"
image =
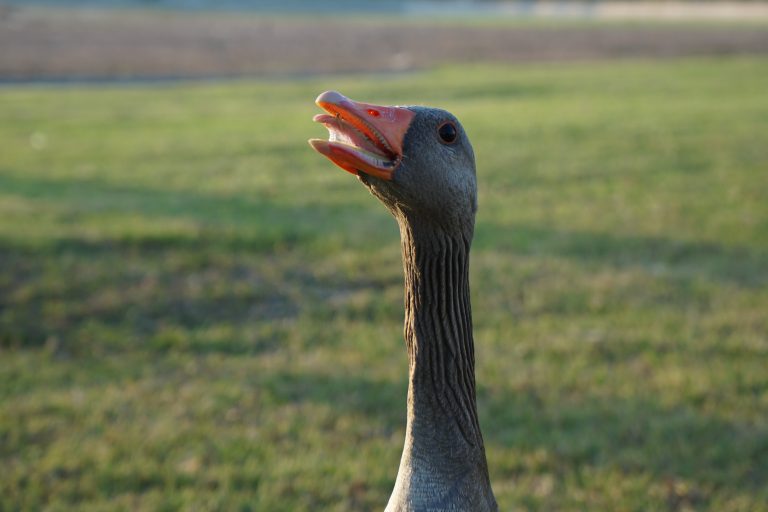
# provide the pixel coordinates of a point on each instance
(197, 312)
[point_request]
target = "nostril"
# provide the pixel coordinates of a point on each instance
(373, 112)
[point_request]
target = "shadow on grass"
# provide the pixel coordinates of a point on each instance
(677, 259)
(381, 400)
(160, 294)
(262, 223)
(213, 293)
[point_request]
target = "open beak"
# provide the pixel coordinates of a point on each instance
(362, 137)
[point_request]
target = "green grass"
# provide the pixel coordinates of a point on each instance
(197, 312)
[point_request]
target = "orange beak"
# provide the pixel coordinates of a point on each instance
(362, 137)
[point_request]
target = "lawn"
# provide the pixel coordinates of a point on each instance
(198, 312)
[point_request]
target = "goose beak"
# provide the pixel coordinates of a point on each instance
(362, 137)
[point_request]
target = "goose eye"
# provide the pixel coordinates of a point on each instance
(447, 132)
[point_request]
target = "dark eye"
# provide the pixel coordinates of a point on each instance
(447, 132)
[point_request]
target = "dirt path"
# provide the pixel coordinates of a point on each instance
(38, 44)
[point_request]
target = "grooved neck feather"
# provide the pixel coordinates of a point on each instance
(443, 466)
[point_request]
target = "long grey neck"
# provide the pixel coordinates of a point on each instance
(443, 466)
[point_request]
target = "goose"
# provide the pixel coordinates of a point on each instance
(420, 164)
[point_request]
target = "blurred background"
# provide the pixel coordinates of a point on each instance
(197, 312)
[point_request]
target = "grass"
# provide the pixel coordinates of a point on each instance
(197, 312)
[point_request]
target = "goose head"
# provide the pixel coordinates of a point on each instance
(417, 160)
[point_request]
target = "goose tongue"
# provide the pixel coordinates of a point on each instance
(362, 137)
